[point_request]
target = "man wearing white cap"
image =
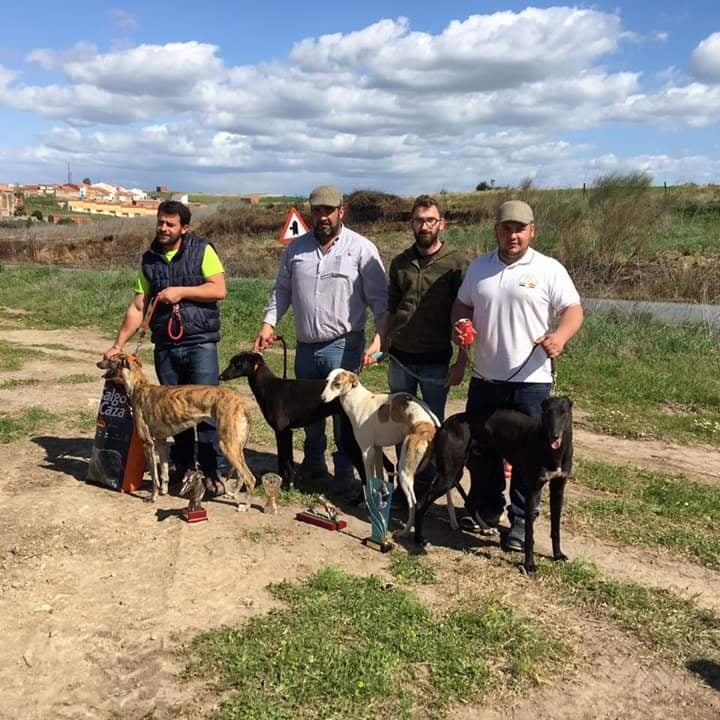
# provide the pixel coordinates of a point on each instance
(330, 277)
(513, 295)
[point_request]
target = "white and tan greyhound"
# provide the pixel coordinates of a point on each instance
(383, 420)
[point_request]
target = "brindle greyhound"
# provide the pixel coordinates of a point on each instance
(161, 411)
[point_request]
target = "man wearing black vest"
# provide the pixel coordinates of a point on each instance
(183, 274)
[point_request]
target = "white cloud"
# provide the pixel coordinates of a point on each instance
(489, 96)
(705, 60)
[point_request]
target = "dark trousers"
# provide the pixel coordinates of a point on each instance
(193, 365)
(488, 479)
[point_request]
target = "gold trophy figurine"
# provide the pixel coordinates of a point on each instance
(271, 483)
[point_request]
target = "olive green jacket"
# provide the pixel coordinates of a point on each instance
(420, 300)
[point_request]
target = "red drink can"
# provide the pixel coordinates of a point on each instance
(466, 330)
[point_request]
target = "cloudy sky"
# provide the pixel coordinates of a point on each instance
(407, 97)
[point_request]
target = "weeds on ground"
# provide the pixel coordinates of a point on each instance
(650, 509)
(357, 648)
(29, 422)
(641, 378)
(411, 569)
(18, 382)
(76, 379)
(13, 356)
(674, 626)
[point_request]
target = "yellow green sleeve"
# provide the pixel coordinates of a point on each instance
(211, 264)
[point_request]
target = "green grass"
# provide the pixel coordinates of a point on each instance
(76, 378)
(641, 378)
(18, 382)
(30, 422)
(676, 627)
(411, 568)
(13, 356)
(650, 509)
(348, 647)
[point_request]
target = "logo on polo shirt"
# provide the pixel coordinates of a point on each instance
(528, 280)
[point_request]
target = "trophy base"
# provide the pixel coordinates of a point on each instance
(382, 546)
(193, 516)
(321, 521)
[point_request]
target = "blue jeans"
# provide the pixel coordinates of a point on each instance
(433, 393)
(315, 361)
(193, 365)
(486, 494)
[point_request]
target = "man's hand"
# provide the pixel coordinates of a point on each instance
(170, 295)
(551, 344)
(114, 349)
(370, 350)
(264, 338)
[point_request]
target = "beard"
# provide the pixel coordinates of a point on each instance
(325, 232)
(426, 238)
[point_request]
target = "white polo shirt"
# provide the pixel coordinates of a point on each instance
(514, 305)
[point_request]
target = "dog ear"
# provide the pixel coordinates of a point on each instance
(355, 380)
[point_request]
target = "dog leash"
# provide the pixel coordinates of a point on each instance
(508, 379)
(404, 368)
(175, 324)
(145, 325)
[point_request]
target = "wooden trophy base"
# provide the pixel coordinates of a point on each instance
(373, 544)
(321, 521)
(193, 516)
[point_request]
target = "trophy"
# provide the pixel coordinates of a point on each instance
(271, 483)
(323, 513)
(378, 494)
(193, 488)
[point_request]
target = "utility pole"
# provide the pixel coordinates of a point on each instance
(69, 174)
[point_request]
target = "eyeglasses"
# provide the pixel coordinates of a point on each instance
(431, 222)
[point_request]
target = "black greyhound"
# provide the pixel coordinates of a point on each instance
(540, 449)
(288, 404)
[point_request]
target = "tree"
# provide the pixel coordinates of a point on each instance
(87, 181)
(483, 186)
(36, 214)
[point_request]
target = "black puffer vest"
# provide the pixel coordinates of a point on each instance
(201, 320)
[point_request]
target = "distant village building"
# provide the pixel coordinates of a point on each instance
(161, 188)
(139, 208)
(8, 200)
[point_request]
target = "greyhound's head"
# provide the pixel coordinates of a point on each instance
(556, 420)
(123, 367)
(244, 364)
(339, 382)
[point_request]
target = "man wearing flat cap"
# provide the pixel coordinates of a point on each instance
(514, 296)
(330, 277)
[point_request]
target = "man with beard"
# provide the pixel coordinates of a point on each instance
(184, 278)
(423, 284)
(329, 276)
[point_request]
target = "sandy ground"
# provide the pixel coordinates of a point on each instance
(100, 590)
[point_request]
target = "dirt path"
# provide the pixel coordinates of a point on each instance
(100, 589)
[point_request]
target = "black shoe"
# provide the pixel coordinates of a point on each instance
(514, 539)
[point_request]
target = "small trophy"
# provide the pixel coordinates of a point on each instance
(193, 488)
(271, 483)
(322, 513)
(378, 494)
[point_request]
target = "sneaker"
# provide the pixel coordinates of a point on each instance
(514, 539)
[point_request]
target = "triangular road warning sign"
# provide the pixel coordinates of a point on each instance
(294, 227)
